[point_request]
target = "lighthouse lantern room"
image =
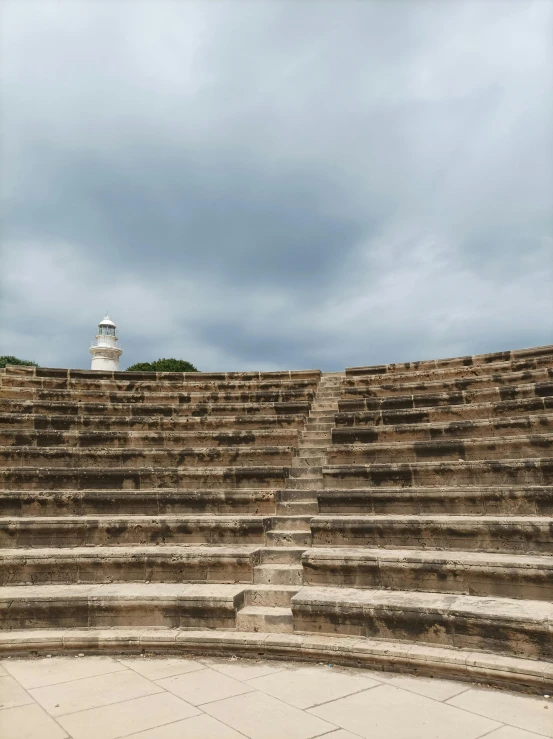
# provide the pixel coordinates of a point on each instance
(104, 349)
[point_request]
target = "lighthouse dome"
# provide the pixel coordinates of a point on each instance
(106, 321)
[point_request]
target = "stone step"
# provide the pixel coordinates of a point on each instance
(43, 422)
(312, 451)
(289, 538)
(278, 574)
(53, 457)
(504, 447)
(436, 474)
(472, 501)
(467, 573)
(112, 605)
(497, 625)
(183, 478)
(508, 380)
(132, 502)
(459, 373)
(309, 462)
(92, 531)
(289, 523)
(281, 555)
(453, 398)
(314, 427)
(424, 432)
(295, 495)
(464, 362)
(516, 534)
(177, 410)
(507, 410)
(270, 596)
(297, 507)
(157, 386)
(265, 619)
(318, 438)
(104, 564)
(166, 398)
(534, 676)
(306, 471)
(148, 439)
(304, 483)
(173, 377)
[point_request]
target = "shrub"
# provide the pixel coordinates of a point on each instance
(7, 359)
(163, 365)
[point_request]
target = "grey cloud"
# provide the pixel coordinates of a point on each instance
(287, 165)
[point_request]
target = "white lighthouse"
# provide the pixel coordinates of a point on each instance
(104, 349)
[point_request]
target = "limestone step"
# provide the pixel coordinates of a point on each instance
(311, 452)
(508, 380)
(517, 534)
(43, 422)
(319, 438)
(92, 531)
(469, 573)
(169, 605)
(465, 361)
(165, 398)
(289, 523)
(131, 502)
(294, 495)
(474, 501)
(304, 483)
(436, 474)
(148, 439)
(278, 574)
(160, 386)
(306, 471)
(471, 429)
(433, 399)
(177, 410)
(104, 564)
(173, 377)
(310, 462)
(496, 369)
(521, 446)
(297, 507)
(289, 538)
(514, 673)
(183, 478)
(270, 596)
(281, 555)
(265, 619)
(77, 458)
(498, 625)
(505, 409)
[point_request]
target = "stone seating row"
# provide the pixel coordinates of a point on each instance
(466, 363)
(503, 574)
(497, 625)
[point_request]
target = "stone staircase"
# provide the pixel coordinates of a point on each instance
(280, 571)
(398, 516)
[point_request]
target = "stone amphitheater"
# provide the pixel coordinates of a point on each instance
(398, 517)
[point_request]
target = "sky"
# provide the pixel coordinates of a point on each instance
(275, 185)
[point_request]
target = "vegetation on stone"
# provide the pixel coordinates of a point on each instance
(163, 365)
(8, 359)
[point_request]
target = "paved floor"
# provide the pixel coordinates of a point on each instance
(173, 698)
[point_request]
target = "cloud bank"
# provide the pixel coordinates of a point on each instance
(278, 184)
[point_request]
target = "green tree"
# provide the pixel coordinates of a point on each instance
(163, 365)
(7, 359)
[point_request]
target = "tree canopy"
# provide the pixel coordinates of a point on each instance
(163, 365)
(8, 359)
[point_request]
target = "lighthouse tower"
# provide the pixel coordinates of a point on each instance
(104, 350)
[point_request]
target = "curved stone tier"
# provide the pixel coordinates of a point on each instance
(396, 516)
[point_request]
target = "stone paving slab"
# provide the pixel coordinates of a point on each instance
(229, 698)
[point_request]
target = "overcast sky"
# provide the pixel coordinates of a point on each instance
(271, 185)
